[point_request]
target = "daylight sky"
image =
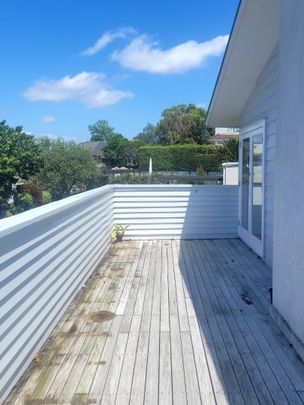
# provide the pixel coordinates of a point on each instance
(66, 63)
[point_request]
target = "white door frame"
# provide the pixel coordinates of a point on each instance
(252, 241)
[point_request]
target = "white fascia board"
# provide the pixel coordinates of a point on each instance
(252, 41)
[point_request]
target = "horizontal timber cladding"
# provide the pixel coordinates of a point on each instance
(263, 104)
(48, 253)
(177, 212)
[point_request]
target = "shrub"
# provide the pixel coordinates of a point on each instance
(100, 180)
(35, 191)
(182, 157)
(22, 202)
(46, 197)
(209, 163)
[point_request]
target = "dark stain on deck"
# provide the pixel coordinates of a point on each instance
(73, 328)
(101, 316)
(246, 299)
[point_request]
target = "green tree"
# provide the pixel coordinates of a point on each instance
(116, 149)
(148, 136)
(66, 167)
(132, 152)
(182, 124)
(19, 159)
(101, 130)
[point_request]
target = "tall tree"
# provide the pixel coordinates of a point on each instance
(132, 152)
(101, 130)
(116, 149)
(65, 166)
(182, 124)
(19, 159)
(148, 136)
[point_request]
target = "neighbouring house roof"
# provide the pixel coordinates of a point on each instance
(223, 137)
(96, 148)
(253, 39)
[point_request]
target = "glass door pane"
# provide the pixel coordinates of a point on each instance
(257, 185)
(245, 182)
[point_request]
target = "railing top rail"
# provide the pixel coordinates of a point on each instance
(11, 224)
(177, 186)
(7, 225)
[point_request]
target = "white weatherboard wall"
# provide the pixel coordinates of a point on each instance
(47, 254)
(288, 269)
(177, 211)
(263, 104)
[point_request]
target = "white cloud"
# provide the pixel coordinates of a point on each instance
(107, 38)
(55, 137)
(87, 87)
(48, 119)
(202, 105)
(143, 55)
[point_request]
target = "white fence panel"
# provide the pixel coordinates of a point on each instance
(46, 255)
(177, 211)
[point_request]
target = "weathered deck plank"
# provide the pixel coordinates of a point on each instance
(190, 325)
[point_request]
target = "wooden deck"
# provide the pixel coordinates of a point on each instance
(168, 322)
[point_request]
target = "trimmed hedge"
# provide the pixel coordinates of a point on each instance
(183, 157)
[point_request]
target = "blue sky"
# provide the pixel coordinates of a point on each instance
(66, 63)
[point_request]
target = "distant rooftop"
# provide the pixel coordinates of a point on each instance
(221, 137)
(226, 131)
(96, 148)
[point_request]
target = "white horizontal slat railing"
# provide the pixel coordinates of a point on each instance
(48, 253)
(177, 211)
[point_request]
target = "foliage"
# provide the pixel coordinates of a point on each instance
(231, 150)
(148, 136)
(101, 130)
(116, 149)
(200, 171)
(29, 195)
(22, 202)
(122, 152)
(19, 159)
(182, 124)
(119, 150)
(132, 151)
(209, 162)
(118, 232)
(101, 179)
(66, 166)
(182, 157)
(129, 178)
(155, 178)
(46, 197)
(34, 190)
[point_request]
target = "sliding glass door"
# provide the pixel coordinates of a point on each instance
(252, 186)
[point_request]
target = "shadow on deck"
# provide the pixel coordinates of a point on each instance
(182, 322)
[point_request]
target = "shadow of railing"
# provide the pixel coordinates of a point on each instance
(211, 213)
(216, 300)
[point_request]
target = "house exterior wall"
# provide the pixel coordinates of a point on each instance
(263, 104)
(288, 271)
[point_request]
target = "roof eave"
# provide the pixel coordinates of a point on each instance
(253, 38)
